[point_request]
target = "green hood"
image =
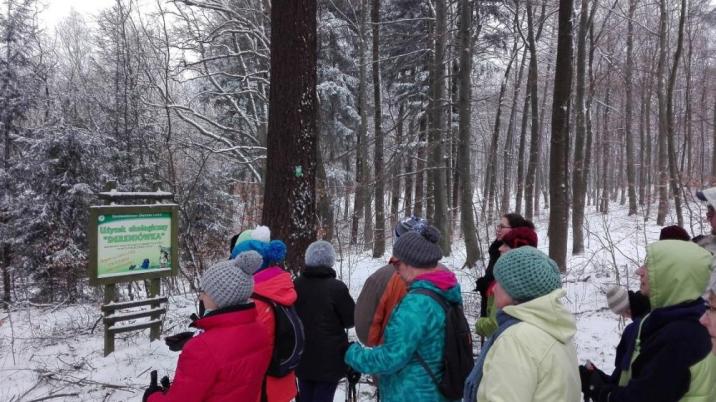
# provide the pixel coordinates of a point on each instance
(547, 313)
(678, 271)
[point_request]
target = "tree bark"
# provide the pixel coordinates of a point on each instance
(379, 237)
(362, 133)
(289, 193)
(534, 139)
(663, 153)
(437, 165)
(559, 150)
(629, 136)
(670, 134)
(467, 218)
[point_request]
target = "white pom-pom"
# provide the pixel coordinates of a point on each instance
(261, 233)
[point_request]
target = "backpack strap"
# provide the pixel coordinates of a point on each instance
(445, 305)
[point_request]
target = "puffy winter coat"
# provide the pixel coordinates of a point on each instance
(326, 310)
(225, 363)
(417, 325)
(274, 283)
(672, 359)
(381, 292)
(535, 359)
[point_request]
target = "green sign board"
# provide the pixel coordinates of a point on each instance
(132, 242)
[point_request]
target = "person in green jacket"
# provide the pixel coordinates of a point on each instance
(416, 326)
(671, 359)
(515, 238)
(532, 356)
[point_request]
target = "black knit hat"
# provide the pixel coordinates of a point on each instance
(419, 249)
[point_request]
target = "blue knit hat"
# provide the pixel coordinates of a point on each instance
(526, 273)
(272, 252)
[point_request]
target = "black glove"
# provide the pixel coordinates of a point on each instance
(599, 389)
(584, 375)
(481, 285)
(352, 376)
(176, 342)
(153, 386)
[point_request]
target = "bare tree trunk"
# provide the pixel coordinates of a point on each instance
(670, 134)
(420, 169)
(491, 166)
(467, 219)
(397, 168)
(438, 127)
(579, 188)
(508, 150)
(289, 200)
(559, 142)
(409, 173)
(663, 154)
(629, 136)
(379, 238)
(534, 140)
(522, 145)
(362, 134)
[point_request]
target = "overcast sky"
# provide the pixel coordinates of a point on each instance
(59, 9)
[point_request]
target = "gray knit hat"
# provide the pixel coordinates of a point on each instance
(419, 249)
(617, 299)
(409, 223)
(231, 282)
(320, 253)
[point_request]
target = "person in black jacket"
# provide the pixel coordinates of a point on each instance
(507, 222)
(326, 310)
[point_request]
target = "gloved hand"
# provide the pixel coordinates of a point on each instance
(584, 374)
(165, 383)
(153, 386)
(352, 376)
(598, 388)
(176, 342)
(481, 285)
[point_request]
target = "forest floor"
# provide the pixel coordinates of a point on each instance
(56, 352)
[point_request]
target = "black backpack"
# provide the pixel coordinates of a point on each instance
(457, 355)
(288, 341)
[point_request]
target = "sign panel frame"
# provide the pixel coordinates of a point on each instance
(137, 272)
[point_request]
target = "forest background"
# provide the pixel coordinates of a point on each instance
(443, 109)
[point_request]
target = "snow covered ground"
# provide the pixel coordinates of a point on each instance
(55, 352)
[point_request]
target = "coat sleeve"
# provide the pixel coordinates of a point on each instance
(510, 371)
(194, 377)
(344, 305)
(665, 375)
(486, 326)
(405, 329)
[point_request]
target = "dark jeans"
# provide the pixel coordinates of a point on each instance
(316, 391)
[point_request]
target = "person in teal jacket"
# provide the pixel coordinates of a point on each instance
(417, 325)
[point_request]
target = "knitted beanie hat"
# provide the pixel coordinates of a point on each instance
(617, 299)
(526, 273)
(674, 232)
(520, 236)
(420, 248)
(409, 223)
(272, 252)
(320, 254)
(231, 282)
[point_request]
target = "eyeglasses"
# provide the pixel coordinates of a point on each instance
(501, 226)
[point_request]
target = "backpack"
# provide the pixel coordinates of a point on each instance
(457, 354)
(288, 341)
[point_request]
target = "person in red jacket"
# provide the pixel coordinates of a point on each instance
(228, 361)
(273, 283)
